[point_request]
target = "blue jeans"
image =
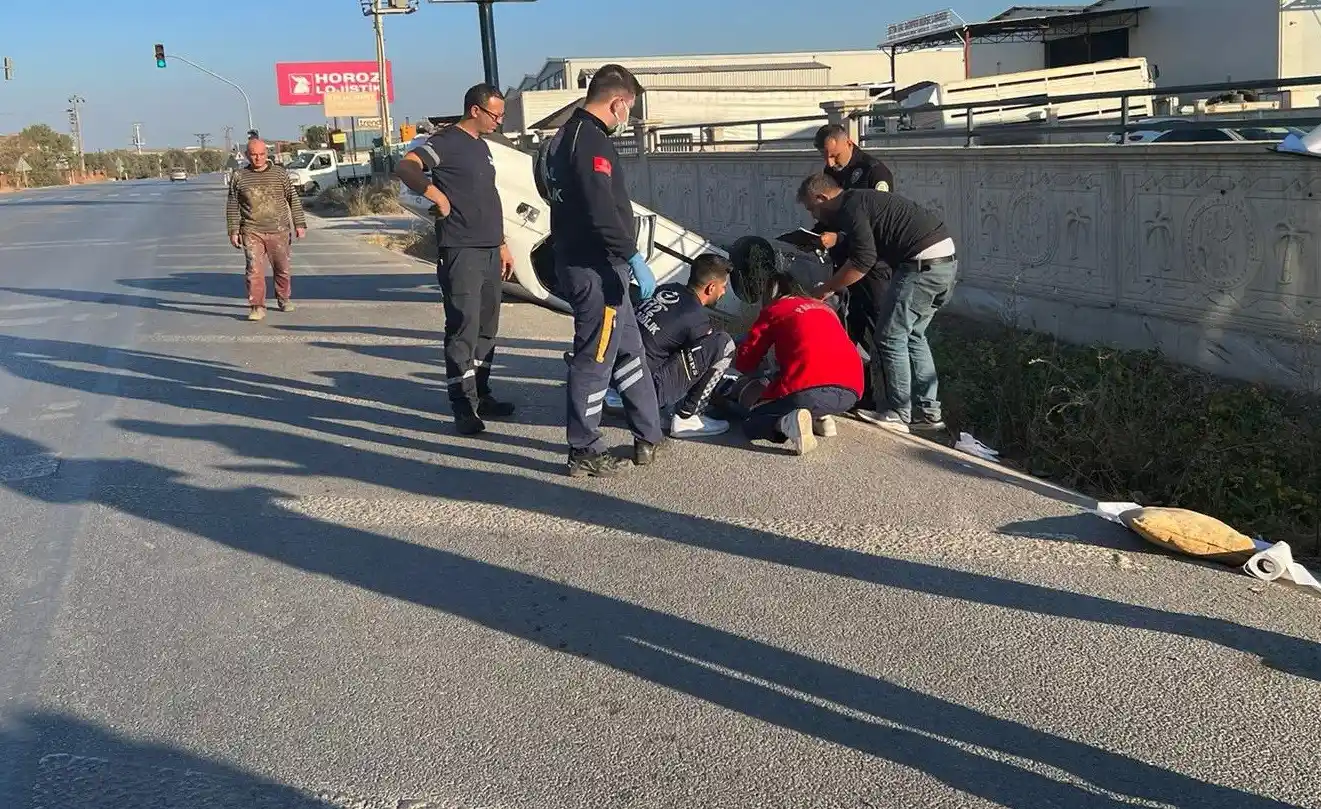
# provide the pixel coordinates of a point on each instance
(828, 400)
(910, 302)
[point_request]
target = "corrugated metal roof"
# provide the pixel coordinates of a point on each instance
(1018, 12)
(734, 68)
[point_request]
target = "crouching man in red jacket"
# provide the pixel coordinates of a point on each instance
(819, 371)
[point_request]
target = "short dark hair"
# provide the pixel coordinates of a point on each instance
(817, 184)
(707, 268)
(828, 132)
(479, 95)
(610, 81)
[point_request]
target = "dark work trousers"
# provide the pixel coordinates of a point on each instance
(862, 314)
(828, 400)
(689, 377)
(471, 285)
(607, 352)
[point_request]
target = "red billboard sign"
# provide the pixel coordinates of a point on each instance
(306, 83)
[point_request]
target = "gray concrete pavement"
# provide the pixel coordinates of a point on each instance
(251, 565)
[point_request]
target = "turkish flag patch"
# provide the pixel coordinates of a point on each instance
(602, 166)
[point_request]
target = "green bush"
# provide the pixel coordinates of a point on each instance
(1128, 425)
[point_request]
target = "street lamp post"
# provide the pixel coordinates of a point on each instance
(377, 9)
(486, 21)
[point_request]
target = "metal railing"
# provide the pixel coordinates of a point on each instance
(702, 137)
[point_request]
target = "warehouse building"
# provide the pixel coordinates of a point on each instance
(713, 88)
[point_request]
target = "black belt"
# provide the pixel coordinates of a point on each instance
(923, 263)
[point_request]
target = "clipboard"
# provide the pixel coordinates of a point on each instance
(802, 238)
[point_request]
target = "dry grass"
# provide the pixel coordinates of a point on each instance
(1130, 426)
(418, 243)
(361, 200)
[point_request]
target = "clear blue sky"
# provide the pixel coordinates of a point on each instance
(103, 52)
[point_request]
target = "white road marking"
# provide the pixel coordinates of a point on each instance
(10, 307)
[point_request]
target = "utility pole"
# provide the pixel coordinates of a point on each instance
(202, 138)
(377, 9)
(76, 125)
(229, 139)
(137, 136)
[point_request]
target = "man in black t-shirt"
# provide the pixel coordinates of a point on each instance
(916, 245)
(686, 354)
(454, 169)
(853, 168)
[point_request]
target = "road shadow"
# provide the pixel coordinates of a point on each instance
(397, 333)
(206, 386)
(402, 287)
(209, 387)
(206, 309)
(56, 760)
(964, 748)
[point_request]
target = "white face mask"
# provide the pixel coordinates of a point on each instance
(620, 121)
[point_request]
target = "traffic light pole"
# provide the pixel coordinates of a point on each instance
(246, 102)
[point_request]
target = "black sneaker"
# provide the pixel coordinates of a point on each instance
(468, 424)
(568, 358)
(584, 464)
(927, 423)
(644, 452)
(492, 408)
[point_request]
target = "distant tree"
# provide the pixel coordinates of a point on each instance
(316, 136)
(43, 148)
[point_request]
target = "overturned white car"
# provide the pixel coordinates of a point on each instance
(667, 245)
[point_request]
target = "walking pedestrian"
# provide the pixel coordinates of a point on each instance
(260, 212)
(916, 245)
(455, 171)
(595, 242)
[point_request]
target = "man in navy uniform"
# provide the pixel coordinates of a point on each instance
(454, 169)
(595, 242)
(687, 354)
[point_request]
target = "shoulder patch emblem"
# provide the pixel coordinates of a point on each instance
(602, 166)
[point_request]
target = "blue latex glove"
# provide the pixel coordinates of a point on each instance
(643, 275)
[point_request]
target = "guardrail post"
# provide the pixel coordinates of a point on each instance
(967, 124)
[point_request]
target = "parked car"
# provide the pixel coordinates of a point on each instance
(178, 174)
(1210, 134)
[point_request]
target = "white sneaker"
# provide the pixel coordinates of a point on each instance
(797, 427)
(825, 427)
(613, 401)
(698, 426)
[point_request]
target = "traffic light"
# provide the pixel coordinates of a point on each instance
(160, 55)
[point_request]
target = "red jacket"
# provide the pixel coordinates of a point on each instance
(811, 348)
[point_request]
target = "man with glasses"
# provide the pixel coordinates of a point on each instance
(455, 171)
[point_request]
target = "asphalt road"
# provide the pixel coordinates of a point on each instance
(250, 565)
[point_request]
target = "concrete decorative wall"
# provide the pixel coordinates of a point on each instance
(1209, 253)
